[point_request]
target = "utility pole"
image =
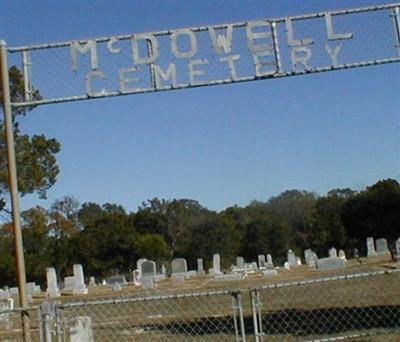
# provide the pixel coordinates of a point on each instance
(13, 187)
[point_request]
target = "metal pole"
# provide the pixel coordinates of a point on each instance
(396, 22)
(13, 187)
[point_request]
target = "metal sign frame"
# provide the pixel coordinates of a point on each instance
(89, 45)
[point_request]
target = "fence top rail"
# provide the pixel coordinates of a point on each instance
(204, 27)
(133, 298)
(144, 298)
(327, 279)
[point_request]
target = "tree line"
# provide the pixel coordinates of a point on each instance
(106, 239)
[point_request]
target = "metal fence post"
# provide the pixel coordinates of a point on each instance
(240, 332)
(396, 22)
(256, 314)
(13, 187)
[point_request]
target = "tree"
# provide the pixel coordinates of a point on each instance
(373, 212)
(152, 247)
(35, 155)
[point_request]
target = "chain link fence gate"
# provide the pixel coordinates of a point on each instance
(358, 307)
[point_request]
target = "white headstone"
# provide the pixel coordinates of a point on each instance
(80, 287)
(269, 273)
(291, 258)
(371, 247)
(333, 253)
(200, 268)
(298, 261)
(239, 262)
(342, 254)
(270, 263)
(286, 265)
(163, 270)
(92, 282)
(382, 246)
(261, 261)
(397, 245)
(148, 268)
(52, 286)
(216, 263)
(178, 265)
(308, 256)
(330, 263)
(80, 329)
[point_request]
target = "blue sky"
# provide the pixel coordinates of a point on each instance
(219, 145)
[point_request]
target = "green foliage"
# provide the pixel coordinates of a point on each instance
(107, 240)
(152, 247)
(35, 156)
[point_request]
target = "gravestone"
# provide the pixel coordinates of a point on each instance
(163, 270)
(330, 263)
(14, 291)
(80, 329)
(397, 246)
(147, 283)
(177, 280)
(80, 287)
(286, 265)
(239, 262)
(291, 258)
(117, 279)
(269, 273)
(261, 261)
(382, 247)
(356, 253)
(178, 265)
(117, 287)
(342, 254)
(228, 277)
(216, 263)
(31, 288)
(148, 268)
(92, 282)
(371, 247)
(309, 256)
(6, 321)
(332, 253)
(69, 284)
(200, 268)
(298, 261)
(270, 263)
(52, 286)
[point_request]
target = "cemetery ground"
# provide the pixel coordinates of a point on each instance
(178, 313)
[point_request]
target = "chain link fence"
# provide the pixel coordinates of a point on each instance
(360, 307)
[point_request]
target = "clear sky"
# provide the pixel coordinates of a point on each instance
(221, 145)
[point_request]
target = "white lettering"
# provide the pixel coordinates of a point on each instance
(329, 29)
(290, 35)
(89, 80)
(333, 53)
(193, 72)
(174, 44)
(252, 36)
(231, 63)
(89, 46)
(296, 59)
(221, 42)
(152, 55)
(259, 63)
(110, 46)
(124, 81)
(169, 74)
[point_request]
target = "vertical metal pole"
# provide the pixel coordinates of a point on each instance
(26, 64)
(396, 22)
(13, 186)
(235, 307)
(276, 48)
(151, 66)
(254, 314)
(241, 319)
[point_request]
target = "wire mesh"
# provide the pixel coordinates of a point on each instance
(331, 309)
(209, 55)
